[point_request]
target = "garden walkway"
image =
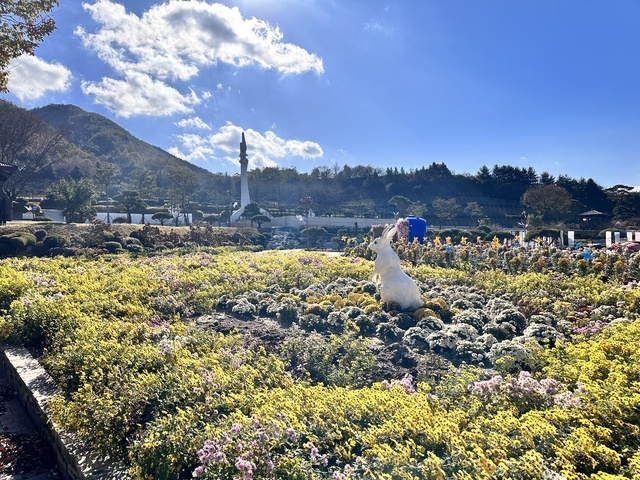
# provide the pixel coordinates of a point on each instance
(25, 453)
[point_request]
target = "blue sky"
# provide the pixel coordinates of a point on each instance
(548, 84)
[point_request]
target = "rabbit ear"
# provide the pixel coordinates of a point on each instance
(391, 233)
(385, 231)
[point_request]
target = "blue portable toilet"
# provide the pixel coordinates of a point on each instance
(417, 228)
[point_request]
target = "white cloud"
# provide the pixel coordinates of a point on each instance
(139, 94)
(193, 122)
(31, 78)
(263, 149)
(197, 148)
(172, 41)
(304, 149)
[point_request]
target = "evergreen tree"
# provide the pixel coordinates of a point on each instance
(76, 197)
(130, 201)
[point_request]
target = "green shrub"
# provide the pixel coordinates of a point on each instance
(40, 235)
(338, 360)
(113, 247)
(21, 242)
(54, 240)
(17, 241)
(542, 232)
(456, 234)
(499, 235)
(109, 236)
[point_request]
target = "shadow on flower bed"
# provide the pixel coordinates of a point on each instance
(339, 333)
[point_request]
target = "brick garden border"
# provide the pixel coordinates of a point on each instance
(76, 460)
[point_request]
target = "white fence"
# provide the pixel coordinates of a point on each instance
(294, 221)
(56, 216)
(287, 221)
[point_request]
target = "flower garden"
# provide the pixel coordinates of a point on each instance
(522, 364)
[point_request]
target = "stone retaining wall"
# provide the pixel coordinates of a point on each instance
(76, 460)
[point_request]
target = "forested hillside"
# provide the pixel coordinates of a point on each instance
(108, 141)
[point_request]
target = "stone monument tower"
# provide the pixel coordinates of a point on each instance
(244, 184)
(244, 181)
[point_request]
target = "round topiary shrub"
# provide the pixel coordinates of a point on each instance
(442, 342)
(455, 234)
(243, 308)
(315, 290)
(502, 331)
(424, 313)
(113, 247)
(469, 351)
(335, 321)
(135, 248)
(366, 324)
(405, 321)
(52, 241)
(511, 355)
(40, 235)
(366, 287)
(463, 331)
(286, 312)
(319, 310)
(389, 332)
(430, 323)
(486, 340)
(462, 304)
(500, 235)
(416, 337)
(542, 333)
(21, 240)
(473, 316)
(108, 236)
(440, 307)
(512, 316)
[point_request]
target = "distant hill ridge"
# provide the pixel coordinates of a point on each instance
(108, 141)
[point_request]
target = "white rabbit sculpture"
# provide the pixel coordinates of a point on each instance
(395, 285)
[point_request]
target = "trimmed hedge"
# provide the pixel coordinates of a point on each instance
(16, 242)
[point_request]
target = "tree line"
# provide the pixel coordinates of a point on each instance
(60, 174)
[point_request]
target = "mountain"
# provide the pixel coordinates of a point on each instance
(108, 141)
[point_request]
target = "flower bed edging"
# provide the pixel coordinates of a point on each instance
(76, 460)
